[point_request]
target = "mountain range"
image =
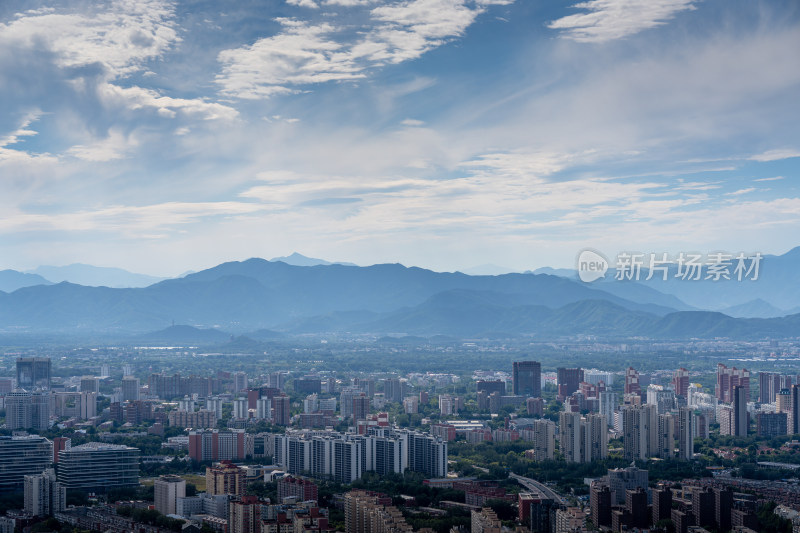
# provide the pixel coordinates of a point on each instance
(266, 300)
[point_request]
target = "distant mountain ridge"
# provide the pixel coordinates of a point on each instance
(264, 300)
(94, 276)
(297, 259)
(11, 280)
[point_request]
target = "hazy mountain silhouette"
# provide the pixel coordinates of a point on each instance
(93, 276)
(11, 280)
(248, 296)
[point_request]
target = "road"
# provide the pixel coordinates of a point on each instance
(532, 484)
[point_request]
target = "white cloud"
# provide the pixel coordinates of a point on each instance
(311, 4)
(606, 20)
(776, 178)
(306, 53)
(115, 146)
(775, 155)
(348, 3)
(301, 54)
(121, 37)
(740, 192)
(138, 97)
(130, 220)
(24, 130)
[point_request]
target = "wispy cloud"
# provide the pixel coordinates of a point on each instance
(607, 20)
(115, 146)
(307, 53)
(98, 49)
(775, 155)
(311, 4)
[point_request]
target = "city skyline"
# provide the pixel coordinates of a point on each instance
(439, 133)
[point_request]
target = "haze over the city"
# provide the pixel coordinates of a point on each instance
(162, 136)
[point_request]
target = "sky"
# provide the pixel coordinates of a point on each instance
(163, 136)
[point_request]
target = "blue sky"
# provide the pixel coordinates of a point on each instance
(162, 136)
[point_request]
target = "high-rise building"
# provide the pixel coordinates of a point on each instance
(527, 378)
(360, 407)
(769, 385)
(544, 443)
(666, 436)
(632, 385)
(661, 397)
(490, 386)
(680, 382)
(20, 456)
(622, 479)
(394, 390)
(583, 440)
(728, 378)
(201, 419)
(264, 409)
(26, 410)
(310, 385)
(640, 431)
(215, 445)
(703, 507)
(447, 405)
(245, 515)
(346, 401)
(662, 503)
(741, 418)
(569, 436)
(794, 410)
(426, 454)
(282, 405)
(226, 478)
(723, 505)
(771, 424)
(567, 381)
(98, 466)
(81, 405)
(130, 389)
(90, 384)
(302, 489)
(214, 404)
(594, 434)
(239, 382)
(167, 490)
(276, 380)
(608, 404)
(43, 494)
(240, 409)
(33, 372)
(636, 508)
(371, 512)
(411, 405)
(600, 504)
(686, 434)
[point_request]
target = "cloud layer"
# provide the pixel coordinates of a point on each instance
(443, 133)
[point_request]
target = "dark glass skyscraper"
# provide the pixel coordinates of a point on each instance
(33, 372)
(527, 376)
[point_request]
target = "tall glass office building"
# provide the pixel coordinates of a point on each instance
(21, 456)
(96, 466)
